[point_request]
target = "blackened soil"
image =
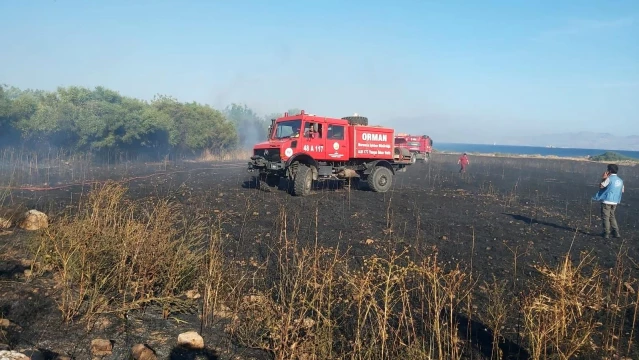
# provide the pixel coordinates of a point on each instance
(536, 210)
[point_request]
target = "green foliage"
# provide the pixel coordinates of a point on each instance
(81, 119)
(610, 156)
(101, 120)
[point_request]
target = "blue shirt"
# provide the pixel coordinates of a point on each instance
(611, 191)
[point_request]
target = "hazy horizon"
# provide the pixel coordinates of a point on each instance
(456, 71)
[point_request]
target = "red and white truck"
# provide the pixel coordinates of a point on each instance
(304, 148)
(420, 146)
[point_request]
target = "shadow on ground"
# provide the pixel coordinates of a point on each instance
(481, 338)
(529, 220)
(180, 353)
(10, 269)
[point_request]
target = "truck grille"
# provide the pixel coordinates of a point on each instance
(268, 154)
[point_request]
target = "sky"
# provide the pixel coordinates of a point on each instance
(460, 71)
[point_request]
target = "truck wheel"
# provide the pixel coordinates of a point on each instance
(303, 181)
(380, 179)
(413, 158)
(356, 120)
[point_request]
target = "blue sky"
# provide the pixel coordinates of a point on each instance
(457, 70)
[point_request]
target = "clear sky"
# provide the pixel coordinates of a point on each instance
(457, 70)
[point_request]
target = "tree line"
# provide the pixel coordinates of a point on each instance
(100, 120)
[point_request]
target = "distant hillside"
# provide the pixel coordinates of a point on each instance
(446, 129)
(582, 140)
(612, 156)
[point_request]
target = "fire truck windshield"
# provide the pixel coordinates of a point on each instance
(287, 129)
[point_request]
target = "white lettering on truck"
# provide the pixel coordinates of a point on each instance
(374, 137)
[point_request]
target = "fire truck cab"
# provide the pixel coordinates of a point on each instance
(420, 146)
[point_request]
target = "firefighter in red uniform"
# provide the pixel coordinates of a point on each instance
(463, 161)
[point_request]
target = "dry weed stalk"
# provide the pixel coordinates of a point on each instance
(293, 316)
(619, 300)
(561, 314)
(443, 292)
(116, 255)
(381, 296)
(497, 311)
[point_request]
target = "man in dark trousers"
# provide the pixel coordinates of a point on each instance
(463, 161)
(610, 191)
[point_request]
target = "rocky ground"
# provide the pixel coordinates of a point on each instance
(534, 210)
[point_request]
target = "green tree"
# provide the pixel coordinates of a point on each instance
(196, 127)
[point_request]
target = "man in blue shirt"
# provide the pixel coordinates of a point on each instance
(610, 191)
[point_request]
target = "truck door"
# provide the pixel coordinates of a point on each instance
(336, 142)
(314, 139)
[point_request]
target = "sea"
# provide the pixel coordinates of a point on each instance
(528, 150)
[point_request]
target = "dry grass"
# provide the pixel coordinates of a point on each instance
(236, 155)
(561, 313)
(311, 302)
(116, 255)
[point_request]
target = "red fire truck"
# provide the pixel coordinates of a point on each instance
(420, 146)
(304, 148)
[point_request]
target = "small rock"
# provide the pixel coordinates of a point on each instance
(5, 223)
(101, 347)
(34, 220)
(191, 340)
(4, 323)
(12, 355)
(143, 352)
(26, 262)
(193, 294)
(444, 237)
(488, 248)
(255, 213)
(28, 273)
(369, 241)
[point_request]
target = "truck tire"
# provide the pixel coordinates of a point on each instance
(413, 158)
(380, 179)
(356, 120)
(303, 181)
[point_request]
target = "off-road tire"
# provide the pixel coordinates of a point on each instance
(303, 181)
(380, 179)
(356, 120)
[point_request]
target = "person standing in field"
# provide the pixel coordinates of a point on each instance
(610, 191)
(463, 161)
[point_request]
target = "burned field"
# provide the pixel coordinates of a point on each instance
(342, 271)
